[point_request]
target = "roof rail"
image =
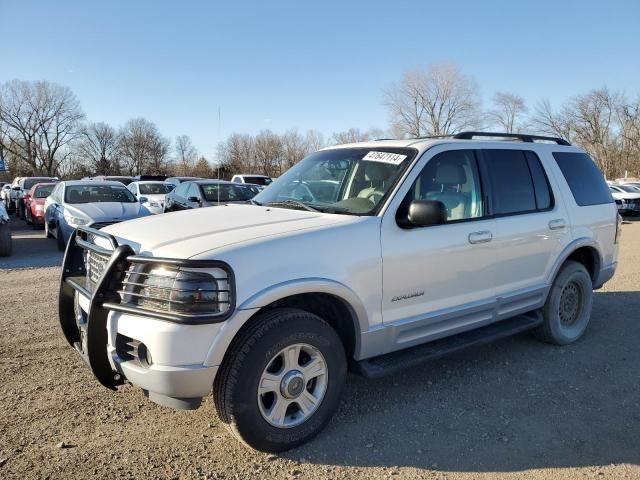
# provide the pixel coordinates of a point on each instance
(523, 137)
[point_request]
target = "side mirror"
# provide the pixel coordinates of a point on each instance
(143, 199)
(425, 213)
(15, 188)
(193, 199)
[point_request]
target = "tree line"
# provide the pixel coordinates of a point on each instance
(43, 130)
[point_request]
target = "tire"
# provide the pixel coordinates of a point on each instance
(6, 245)
(567, 311)
(21, 211)
(236, 396)
(27, 217)
(60, 239)
(47, 232)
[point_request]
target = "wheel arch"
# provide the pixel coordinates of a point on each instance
(337, 304)
(584, 251)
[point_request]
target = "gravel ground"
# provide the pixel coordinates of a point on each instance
(513, 409)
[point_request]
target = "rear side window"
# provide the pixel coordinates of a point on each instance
(544, 197)
(585, 180)
(511, 184)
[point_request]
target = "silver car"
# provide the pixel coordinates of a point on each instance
(90, 203)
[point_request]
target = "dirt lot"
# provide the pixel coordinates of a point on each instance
(514, 409)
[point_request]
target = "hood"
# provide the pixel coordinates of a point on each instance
(188, 233)
(107, 211)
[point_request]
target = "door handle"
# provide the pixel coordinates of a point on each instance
(557, 224)
(480, 237)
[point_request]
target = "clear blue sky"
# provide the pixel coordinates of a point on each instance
(322, 65)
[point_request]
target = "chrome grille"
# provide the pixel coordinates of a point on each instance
(95, 263)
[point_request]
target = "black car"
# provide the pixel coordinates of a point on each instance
(207, 193)
(178, 180)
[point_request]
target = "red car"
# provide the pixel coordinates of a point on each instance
(34, 203)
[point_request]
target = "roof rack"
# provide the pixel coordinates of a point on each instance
(523, 137)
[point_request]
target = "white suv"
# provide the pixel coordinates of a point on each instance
(372, 256)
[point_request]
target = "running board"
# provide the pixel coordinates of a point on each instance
(410, 357)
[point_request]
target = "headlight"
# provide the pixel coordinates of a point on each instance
(74, 221)
(39, 208)
(176, 290)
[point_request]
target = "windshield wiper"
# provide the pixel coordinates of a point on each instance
(292, 203)
(253, 202)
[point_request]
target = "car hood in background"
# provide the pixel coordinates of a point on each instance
(107, 211)
(191, 232)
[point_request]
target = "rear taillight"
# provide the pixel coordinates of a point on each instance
(618, 229)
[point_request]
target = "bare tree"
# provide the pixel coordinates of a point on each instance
(98, 149)
(315, 140)
(437, 101)
(294, 148)
(352, 135)
(186, 155)
(601, 122)
(269, 153)
(38, 121)
(202, 168)
(508, 112)
(143, 148)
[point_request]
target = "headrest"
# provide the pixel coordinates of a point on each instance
(74, 196)
(449, 174)
(376, 172)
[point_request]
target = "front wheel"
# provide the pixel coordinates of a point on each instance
(567, 310)
(281, 379)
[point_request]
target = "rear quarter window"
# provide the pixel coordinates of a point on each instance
(584, 179)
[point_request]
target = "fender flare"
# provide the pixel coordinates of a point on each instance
(254, 303)
(572, 247)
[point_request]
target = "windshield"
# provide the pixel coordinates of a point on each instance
(154, 188)
(30, 182)
(98, 193)
(629, 188)
(258, 180)
(346, 180)
(228, 192)
(44, 191)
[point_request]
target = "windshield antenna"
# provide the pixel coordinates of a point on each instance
(218, 169)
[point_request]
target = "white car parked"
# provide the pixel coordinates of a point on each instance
(151, 194)
(269, 303)
(261, 180)
(628, 196)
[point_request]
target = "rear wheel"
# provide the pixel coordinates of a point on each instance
(47, 232)
(280, 382)
(567, 310)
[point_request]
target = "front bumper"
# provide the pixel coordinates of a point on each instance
(94, 322)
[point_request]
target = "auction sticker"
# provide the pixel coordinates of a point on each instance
(385, 157)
